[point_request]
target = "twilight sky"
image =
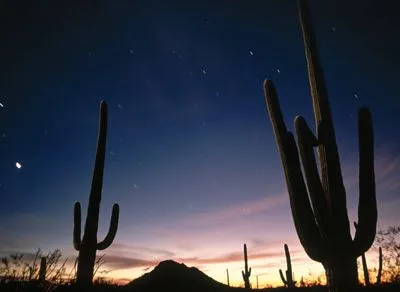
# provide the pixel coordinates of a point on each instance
(191, 159)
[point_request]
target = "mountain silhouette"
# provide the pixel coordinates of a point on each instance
(172, 276)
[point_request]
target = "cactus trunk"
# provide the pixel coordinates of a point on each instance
(86, 260)
(341, 274)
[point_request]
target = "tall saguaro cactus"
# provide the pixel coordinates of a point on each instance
(88, 245)
(288, 282)
(247, 271)
(318, 203)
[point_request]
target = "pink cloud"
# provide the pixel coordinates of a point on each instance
(242, 209)
(123, 262)
(120, 247)
(116, 262)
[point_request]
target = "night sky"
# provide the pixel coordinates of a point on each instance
(191, 158)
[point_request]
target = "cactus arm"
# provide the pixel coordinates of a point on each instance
(282, 277)
(112, 231)
(367, 209)
(303, 216)
(77, 226)
(306, 142)
(315, 73)
(378, 277)
(331, 175)
(302, 212)
(364, 262)
(328, 153)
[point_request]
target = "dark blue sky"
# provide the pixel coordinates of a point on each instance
(188, 130)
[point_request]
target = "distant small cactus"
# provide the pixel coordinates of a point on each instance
(247, 271)
(43, 269)
(288, 282)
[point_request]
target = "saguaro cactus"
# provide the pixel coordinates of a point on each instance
(288, 282)
(318, 204)
(379, 275)
(247, 271)
(88, 245)
(43, 269)
(365, 266)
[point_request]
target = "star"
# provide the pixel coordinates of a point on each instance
(18, 165)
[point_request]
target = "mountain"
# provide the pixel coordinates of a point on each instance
(172, 276)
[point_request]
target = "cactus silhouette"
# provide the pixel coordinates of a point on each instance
(318, 204)
(379, 275)
(43, 269)
(247, 271)
(88, 245)
(365, 266)
(288, 282)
